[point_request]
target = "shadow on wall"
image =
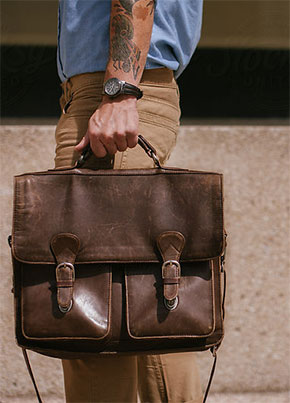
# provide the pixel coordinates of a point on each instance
(224, 83)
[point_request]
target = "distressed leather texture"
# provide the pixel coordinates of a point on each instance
(105, 208)
(111, 246)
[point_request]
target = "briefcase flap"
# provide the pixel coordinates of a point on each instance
(117, 215)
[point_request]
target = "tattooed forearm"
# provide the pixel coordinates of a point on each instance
(127, 6)
(125, 54)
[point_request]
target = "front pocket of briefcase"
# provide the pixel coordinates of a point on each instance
(89, 316)
(147, 314)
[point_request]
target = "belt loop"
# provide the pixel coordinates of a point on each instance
(66, 90)
(69, 85)
(67, 95)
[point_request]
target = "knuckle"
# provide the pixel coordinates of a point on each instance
(122, 147)
(120, 135)
(106, 137)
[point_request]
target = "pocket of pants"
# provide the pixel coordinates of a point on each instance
(83, 101)
(160, 105)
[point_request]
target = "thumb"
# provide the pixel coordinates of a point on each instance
(83, 143)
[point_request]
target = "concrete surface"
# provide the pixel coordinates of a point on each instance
(255, 162)
(212, 398)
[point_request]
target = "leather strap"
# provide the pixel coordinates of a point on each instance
(170, 245)
(214, 353)
(27, 362)
(131, 89)
(65, 247)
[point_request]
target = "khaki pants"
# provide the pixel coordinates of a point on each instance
(156, 378)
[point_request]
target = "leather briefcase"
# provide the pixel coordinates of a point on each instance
(118, 261)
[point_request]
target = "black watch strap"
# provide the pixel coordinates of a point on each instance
(130, 89)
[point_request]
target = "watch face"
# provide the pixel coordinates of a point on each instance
(112, 87)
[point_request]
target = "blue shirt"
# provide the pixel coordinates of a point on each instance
(83, 35)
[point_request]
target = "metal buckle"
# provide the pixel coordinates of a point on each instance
(174, 262)
(65, 310)
(67, 264)
(70, 266)
(171, 304)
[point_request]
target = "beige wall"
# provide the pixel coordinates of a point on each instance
(230, 23)
(27, 22)
(255, 23)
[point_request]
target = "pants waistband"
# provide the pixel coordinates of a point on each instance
(150, 76)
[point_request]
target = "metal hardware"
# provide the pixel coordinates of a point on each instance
(155, 159)
(70, 266)
(171, 304)
(9, 239)
(85, 155)
(149, 150)
(222, 263)
(174, 262)
(65, 310)
(66, 264)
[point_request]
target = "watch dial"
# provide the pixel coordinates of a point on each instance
(112, 87)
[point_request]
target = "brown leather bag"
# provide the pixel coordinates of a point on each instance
(118, 261)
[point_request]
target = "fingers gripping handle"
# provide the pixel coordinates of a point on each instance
(147, 147)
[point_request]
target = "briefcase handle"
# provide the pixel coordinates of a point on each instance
(147, 147)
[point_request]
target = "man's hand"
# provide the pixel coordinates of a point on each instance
(113, 127)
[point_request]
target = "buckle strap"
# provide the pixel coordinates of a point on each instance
(65, 247)
(170, 245)
(171, 280)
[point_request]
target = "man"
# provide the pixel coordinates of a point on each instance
(118, 61)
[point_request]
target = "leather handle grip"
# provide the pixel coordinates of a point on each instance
(147, 147)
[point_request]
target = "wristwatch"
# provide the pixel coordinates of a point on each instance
(114, 87)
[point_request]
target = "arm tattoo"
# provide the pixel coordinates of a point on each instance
(124, 52)
(127, 5)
